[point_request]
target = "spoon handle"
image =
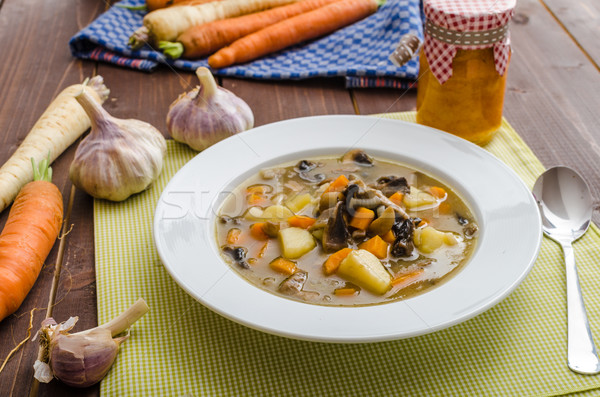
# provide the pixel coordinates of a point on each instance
(581, 352)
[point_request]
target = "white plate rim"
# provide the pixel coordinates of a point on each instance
(327, 324)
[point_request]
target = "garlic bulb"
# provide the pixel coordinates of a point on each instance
(119, 157)
(84, 358)
(207, 114)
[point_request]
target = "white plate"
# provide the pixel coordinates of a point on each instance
(509, 222)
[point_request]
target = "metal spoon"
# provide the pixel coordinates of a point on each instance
(565, 204)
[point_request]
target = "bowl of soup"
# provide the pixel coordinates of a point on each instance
(347, 229)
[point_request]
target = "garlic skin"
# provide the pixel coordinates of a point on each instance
(83, 358)
(207, 114)
(119, 157)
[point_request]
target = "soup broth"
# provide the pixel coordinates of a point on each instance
(345, 231)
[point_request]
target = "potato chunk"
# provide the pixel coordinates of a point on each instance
(429, 239)
(365, 270)
(299, 201)
(295, 242)
(277, 212)
(417, 198)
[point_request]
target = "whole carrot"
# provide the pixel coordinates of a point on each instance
(166, 24)
(205, 39)
(31, 229)
(294, 30)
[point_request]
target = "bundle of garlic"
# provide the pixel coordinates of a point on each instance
(207, 114)
(84, 358)
(119, 157)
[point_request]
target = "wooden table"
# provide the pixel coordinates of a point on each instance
(552, 100)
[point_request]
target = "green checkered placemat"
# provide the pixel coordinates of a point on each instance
(517, 348)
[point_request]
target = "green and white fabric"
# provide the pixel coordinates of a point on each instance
(517, 348)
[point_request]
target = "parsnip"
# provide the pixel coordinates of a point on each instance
(59, 126)
(166, 24)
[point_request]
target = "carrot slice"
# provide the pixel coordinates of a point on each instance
(257, 231)
(396, 198)
(338, 184)
(301, 221)
(437, 192)
(344, 291)
(445, 208)
(376, 245)
(283, 265)
(254, 199)
(405, 280)
(233, 235)
(389, 237)
(334, 260)
(362, 218)
(262, 251)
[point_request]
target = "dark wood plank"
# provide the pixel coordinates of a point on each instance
(274, 101)
(35, 71)
(551, 97)
(144, 96)
(384, 100)
(581, 18)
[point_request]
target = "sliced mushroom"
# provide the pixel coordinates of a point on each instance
(271, 228)
(389, 185)
(329, 199)
(305, 166)
(316, 178)
(386, 201)
(357, 156)
(403, 244)
(237, 254)
(384, 222)
(294, 284)
(470, 230)
(461, 220)
(322, 219)
(335, 236)
(367, 202)
(357, 196)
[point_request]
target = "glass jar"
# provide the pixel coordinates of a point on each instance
(469, 104)
(464, 60)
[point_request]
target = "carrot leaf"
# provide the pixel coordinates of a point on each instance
(133, 8)
(43, 171)
(171, 49)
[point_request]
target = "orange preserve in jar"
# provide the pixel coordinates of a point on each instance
(463, 67)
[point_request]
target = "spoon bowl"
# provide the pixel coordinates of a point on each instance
(565, 205)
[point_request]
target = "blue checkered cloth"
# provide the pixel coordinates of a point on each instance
(359, 52)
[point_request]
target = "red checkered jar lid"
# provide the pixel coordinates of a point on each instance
(465, 24)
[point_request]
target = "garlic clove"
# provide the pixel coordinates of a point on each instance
(119, 157)
(207, 114)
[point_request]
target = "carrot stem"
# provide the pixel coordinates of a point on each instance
(133, 8)
(43, 171)
(173, 50)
